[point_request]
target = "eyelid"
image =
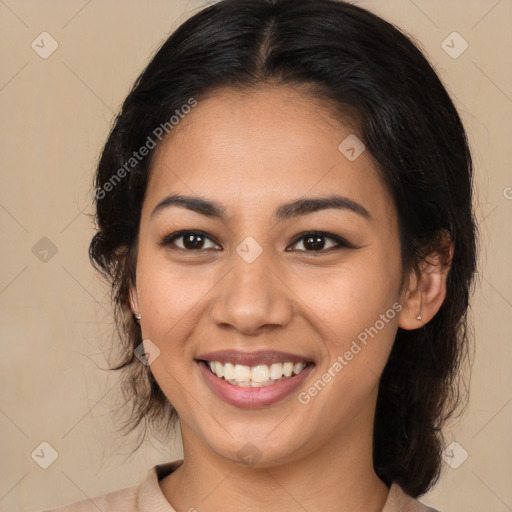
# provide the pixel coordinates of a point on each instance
(340, 241)
(169, 239)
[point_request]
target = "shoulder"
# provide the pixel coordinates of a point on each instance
(123, 499)
(140, 498)
(399, 501)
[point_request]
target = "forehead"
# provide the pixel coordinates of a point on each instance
(262, 147)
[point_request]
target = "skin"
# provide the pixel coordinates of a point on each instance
(252, 152)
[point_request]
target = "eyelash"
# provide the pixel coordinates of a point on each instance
(341, 242)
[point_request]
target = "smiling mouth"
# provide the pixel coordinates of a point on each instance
(260, 375)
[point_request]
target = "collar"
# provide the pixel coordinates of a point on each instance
(151, 498)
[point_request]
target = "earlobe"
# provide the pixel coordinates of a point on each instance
(412, 303)
(134, 301)
(426, 292)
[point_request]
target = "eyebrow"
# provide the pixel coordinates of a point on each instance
(285, 211)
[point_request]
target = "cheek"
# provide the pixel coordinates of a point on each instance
(359, 313)
(352, 297)
(170, 297)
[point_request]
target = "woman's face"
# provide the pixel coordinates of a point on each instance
(256, 282)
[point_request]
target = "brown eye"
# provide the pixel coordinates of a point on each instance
(190, 241)
(316, 242)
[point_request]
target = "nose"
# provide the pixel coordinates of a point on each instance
(252, 297)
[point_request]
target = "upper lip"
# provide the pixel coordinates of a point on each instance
(255, 358)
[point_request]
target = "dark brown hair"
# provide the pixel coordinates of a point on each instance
(361, 64)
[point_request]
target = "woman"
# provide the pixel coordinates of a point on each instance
(284, 212)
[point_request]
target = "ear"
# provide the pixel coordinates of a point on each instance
(134, 301)
(425, 293)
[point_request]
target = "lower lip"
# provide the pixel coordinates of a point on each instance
(252, 397)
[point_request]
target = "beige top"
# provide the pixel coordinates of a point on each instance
(148, 497)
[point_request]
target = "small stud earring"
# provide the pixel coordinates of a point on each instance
(421, 305)
(137, 316)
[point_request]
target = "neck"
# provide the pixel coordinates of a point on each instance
(337, 476)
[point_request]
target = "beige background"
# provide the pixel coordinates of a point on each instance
(55, 322)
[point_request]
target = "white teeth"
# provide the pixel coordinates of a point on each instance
(229, 371)
(287, 369)
(260, 373)
(298, 367)
(242, 373)
(219, 369)
(255, 376)
(276, 371)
